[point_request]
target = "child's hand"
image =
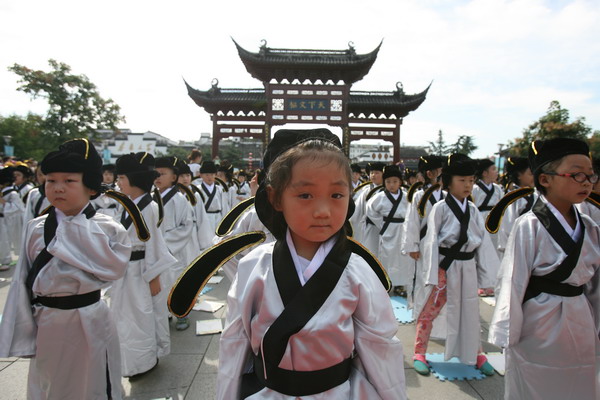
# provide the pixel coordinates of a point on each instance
(155, 286)
(254, 184)
(415, 255)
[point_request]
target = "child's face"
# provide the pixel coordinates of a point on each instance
(108, 177)
(221, 175)
(39, 176)
(355, 176)
(315, 203)
(165, 180)
(392, 184)
(376, 177)
(66, 192)
(564, 188)
(19, 178)
(242, 178)
(433, 174)
(208, 178)
(525, 178)
(124, 185)
(490, 174)
(412, 180)
(461, 186)
(185, 179)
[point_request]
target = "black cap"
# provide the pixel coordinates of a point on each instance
(208, 167)
(459, 165)
(7, 175)
(108, 167)
(431, 162)
(167, 162)
(483, 164)
(77, 155)
(515, 165)
(391, 171)
(356, 168)
(139, 169)
(375, 166)
(183, 167)
(23, 168)
(541, 152)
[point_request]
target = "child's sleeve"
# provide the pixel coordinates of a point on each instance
(431, 256)
(411, 228)
(84, 244)
(513, 278)
(157, 260)
(486, 258)
(380, 354)
(592, 288)
(14, 205)
(18, 329)
(374, 211)
(178, 237)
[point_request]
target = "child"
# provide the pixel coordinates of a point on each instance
(456, 250)
(216, 200)
(53, 312)
(177, 222)
(138, 300)
(104, 204)
(11, 207)
(548, 305)
(356, 175)
(300, 307)
(22, 178)
(243, 191)
(591, 206)
(364, 230)
(15, 220)
(36, 201)
(225, 174)
(387, 210)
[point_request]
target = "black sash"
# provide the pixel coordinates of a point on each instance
(169, 196)
(453, 252)
(390, 217)
(126, 220)
(195, 189)
(488, 196)
(20, 187)
(211, 196)
(12, 189)
(44, 257)
(38, 204)
(301, 304)
(432, 200)
(552, 282)
(528, 205)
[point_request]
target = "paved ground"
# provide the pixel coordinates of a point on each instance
(190, 371)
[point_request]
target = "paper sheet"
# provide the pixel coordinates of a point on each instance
(209, 326)
(208, 306)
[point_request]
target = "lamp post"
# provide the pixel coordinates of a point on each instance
(8, 149)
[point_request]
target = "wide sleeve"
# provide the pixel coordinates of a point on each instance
(380, 354)
(486, 257)
(431, 256)
(82, 243)
(18, 329)
(178, 236)
(205, 236)
(592, 288)
(156, 260)
(513, 278)
(14, 205)
(374, 211)
(33, 197)
(411, 228)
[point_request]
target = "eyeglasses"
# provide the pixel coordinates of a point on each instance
(579, 177)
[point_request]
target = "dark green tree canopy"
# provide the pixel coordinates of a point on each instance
(464, 145)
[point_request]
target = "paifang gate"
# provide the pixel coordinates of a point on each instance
(308, 87)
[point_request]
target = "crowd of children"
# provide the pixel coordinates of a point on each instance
(308, 311)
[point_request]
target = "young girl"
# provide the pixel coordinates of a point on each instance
(138, 300)
(548, 305)
(243, 191)
(216, 204)
(308, 315)
(387, 211)
(457, 251)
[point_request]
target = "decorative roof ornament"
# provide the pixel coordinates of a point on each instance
(400, 87)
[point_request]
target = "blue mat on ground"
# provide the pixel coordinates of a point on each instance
(452, 369)
(401, 311)
(206, 290)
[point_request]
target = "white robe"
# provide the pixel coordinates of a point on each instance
(590, 210)
(201, 227)
(242, 193)
(217, 209)
(32, 200)
(72, 349)
(478, 197)
(106, 205)
(513, 211)
(400, 267)
(360, 207)
(11, 225)
(141, 327)
(552, 346)
(462, 277)
(357, 315)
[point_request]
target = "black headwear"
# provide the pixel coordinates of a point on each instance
(139, 169)
(458, 165)
(482, 165)
(541, 152)
(515, 165)
(77, 155)
(108, 167)
(208, 167)
(390, 171)
(356, 168)
(7, 175)
(428, 163)
(375, 166)
(183, 167)
(167, 162)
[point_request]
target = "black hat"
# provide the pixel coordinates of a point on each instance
(167, 162)
(516, 165)
(391, 171)
(7, 175)
(183, 167)
(243, 173)
(459, 165)
(282, 141)
(356, 168)
(375, 166)
(139, 169)
(428, 163)
(23, 168)
(541, 152)
(77, 155)
(208, 167)
(483, 164)
(409, 173)
(108, 167)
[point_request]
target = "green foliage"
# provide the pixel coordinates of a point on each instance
(26, 135)
(178, 152)
(233, 154)
(76, 109)
(555, 123)
(464, 145)
(439, 147)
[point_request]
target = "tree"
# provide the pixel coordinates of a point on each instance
(76, 109)
(464, 145)
(555, 123)
(26, 135)
(439, 147)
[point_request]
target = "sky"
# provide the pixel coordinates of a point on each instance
(495, 64)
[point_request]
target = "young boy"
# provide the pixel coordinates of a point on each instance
(104, 204)
(457, 253)
(216, 201)
(11, 208)
(356, 175)
(387, 211)
(138, 300)
(548, 305)
(53, 312)
(177, 222)
(243, 191)
(364, 230)
(36, 200)
(591, 207)
(15, 220)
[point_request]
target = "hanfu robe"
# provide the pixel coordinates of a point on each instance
(176, 228)
(75, 352)
(589, 209)
(360, 207)
(462, 276)
(16, 220)
(11, 223)
(513, 211)
(485, 198)
(242, 192)
(551, 341)
(143, 326)
(201, 226)
(356, 317)
(107, 205)
(216, 206)
(36, 203)
(400, 267)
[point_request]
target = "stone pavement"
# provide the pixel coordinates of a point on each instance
(190, 371)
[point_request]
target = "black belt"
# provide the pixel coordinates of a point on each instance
(456, 255)
(545, 285)
(302, 383)
(112, 206)
(369, 222)
(214, 212)
(137, 255)
(69, 302)
(485, 208)
(397, 220)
